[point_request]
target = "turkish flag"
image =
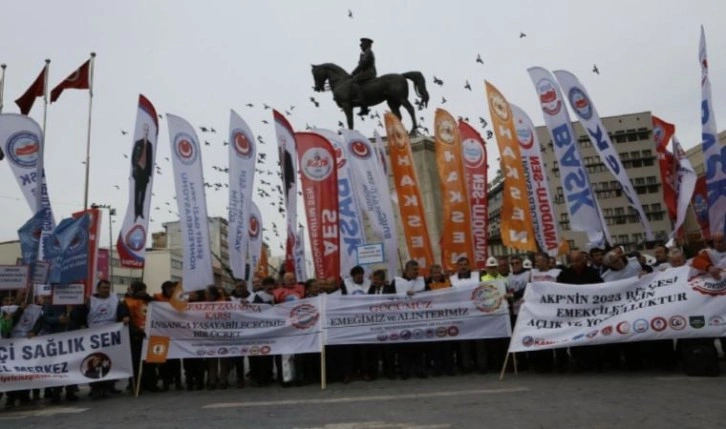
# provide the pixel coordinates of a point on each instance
(79, 79)
(37, 89)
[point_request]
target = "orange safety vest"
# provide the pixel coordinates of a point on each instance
(137, 310)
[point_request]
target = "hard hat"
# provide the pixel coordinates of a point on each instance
(492, 262)
(527, 264)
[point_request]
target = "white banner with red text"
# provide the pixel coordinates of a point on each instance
(675, 303)
(460, 313)
(77, 357)
(228, 329)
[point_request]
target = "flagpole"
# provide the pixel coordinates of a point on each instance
(88, 140)
(2, 86)
(41, 153)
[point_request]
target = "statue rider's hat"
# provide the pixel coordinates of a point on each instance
(366, 40)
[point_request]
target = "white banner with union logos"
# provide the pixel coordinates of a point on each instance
(458, 313)
(228, 329)
(77, 357)
(675, 303)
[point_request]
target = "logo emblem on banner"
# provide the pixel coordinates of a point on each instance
(359, 149)
(623, 328)
(473, 153)
(399, 136)
(304, 316)
(136, 238)
(254, 228)
(547, 91)
(697, 322)
(486, 298)
(185, 149)
(580, 103)
(640, 326)
(96, 366)
(446, 132)
(23, 148)
(501, 107)
(242, 144)
(678, 323)
(524, 135)
(707, 285)
(78, 242)
(317, 164)
(658, 324)
(658, 133)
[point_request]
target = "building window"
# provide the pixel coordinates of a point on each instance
(647, 154)
(624, 156)
(563, 217)
(655, 207)
(619, 211)
(177, 265)
(639, 181)
(651, 180)
(623, 238)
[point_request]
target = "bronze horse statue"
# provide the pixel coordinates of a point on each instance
(391, 88)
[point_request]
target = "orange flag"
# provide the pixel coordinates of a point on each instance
(410, 203)
(517, 227)
(456, 229)
(157, 349)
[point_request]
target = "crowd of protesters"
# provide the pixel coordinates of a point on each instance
(367, 362)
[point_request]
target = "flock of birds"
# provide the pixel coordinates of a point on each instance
(268, 177)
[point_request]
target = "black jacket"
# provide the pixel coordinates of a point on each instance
(588, 276)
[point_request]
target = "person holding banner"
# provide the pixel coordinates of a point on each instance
(579, 273)
(261, 366)
(101, 309)
(137, 304)
(291, 290)
(471, 353)
(169, 371)
(619, 267)
(712, 260)
(387, 352)
(350, 355)
(56, 319)
(441, 353)
(542, 271)
(411, 357)
(23, 319)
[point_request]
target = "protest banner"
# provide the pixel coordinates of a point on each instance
(675, 303)
(460, 313)
(76, 357)
(14, 276)
(229, 329)
(71, 294)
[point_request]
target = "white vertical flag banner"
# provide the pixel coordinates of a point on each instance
(372, 193)
(254, 233)
(545, 223)
(349, 218)
(685, 183)
(22, 140)
(191, 203)
(242, 158)
(714, 153)
(586, 112)
(582, 206)
(390, 235)
(131, 243)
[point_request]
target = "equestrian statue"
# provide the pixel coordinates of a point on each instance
(363, 88)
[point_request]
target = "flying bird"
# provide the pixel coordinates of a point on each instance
(204, 129)
(490, 134)
(265, 106)
(595, 69)
(250, 105)
(483, 122)
(478, 59)
(123, 133)
(116, 186)
(264, 121)
(315, 102)
(292, 108)
(340, 124)
(206, 143)
(467, 86)
(350, 14)
(522, 35)
(443, 100)
(287, 112)
(161, 117)
(126, 156)
(213, 130)
(438, 81)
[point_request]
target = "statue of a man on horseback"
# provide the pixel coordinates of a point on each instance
(363, 88)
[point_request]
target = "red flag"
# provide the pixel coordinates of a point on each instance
(475, 171)
(319, 183)
(37, 89)
(79, 79)
(662, 133)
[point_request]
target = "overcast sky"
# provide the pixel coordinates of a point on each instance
(199, 59)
